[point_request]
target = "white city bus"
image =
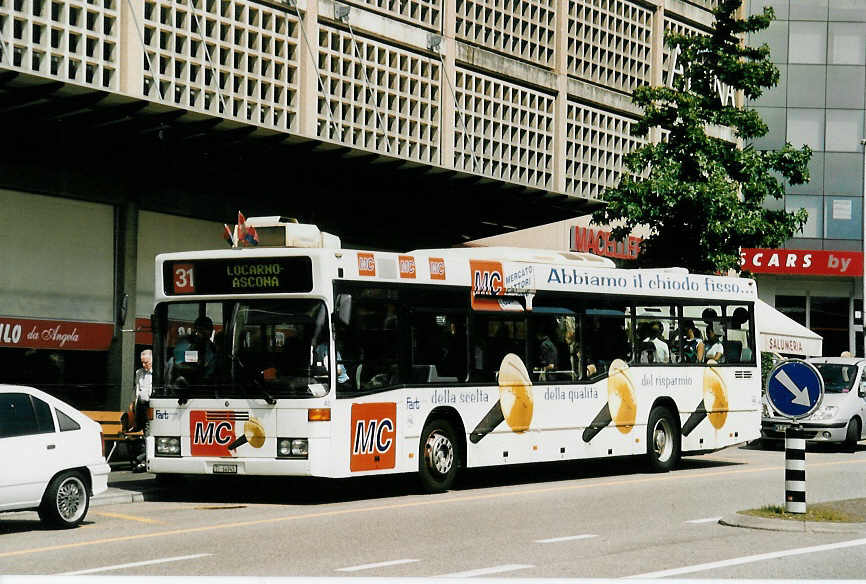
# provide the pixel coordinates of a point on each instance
(297, 357)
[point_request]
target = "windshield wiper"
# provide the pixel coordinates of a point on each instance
(254, 379)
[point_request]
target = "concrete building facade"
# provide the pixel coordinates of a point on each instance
(131, 127)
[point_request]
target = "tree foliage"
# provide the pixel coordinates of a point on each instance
(702, 196)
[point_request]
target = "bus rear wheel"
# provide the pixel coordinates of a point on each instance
(438, 456)
(663, 440)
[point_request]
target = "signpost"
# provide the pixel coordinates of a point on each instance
(795, 390)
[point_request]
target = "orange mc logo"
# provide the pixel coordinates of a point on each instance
(374, 436)
(437, 268)
(407, 266)
(366, 264)
(487, 280)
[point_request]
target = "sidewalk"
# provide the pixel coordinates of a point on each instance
(125, 486)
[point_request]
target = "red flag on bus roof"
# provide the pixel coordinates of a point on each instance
(246, 233)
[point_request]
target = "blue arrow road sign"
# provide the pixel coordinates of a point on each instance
(795, 388)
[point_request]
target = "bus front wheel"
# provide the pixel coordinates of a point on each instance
(663, 440)
(438, 456)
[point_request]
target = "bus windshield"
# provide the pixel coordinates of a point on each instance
(266, 349)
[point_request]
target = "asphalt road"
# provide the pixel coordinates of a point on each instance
(606, 519)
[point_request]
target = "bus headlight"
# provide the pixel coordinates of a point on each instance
(168, 446)
(292, 448)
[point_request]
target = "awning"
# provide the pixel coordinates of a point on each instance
(780, 334)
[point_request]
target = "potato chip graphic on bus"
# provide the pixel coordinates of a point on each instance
(621, 406)
(254, 435)
(515, 400)
(716, 397)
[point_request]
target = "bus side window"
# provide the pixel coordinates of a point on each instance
(493, 337)
(438, 342)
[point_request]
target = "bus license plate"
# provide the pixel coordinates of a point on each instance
(225, 468)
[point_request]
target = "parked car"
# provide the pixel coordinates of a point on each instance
(51, 456)
(840, 417)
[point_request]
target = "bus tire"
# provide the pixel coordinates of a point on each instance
(663, 440)
(852, 437)
(438, 456)
(65, 501)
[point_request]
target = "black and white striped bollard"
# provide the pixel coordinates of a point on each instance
(795, 472)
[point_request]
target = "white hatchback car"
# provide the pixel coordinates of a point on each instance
(841, 415)
(51, 456)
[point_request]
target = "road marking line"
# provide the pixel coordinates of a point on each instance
(485, 571)
(750, 559)
(566, 538)
(133, 565)
(130, 517)
(446, 500)
(705, 520)
(376, 565)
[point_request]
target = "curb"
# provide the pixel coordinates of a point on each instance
(115, 496)
(752, 522)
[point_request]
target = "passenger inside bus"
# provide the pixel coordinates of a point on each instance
(715, 350)
(693, 344)
(547, 355)
(194, 357)
(653, 348)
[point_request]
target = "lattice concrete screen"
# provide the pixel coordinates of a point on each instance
(69, 40)
(424, 13)
(609, 42)
(523, 29)
(226, 57)
(595, 144)
(675, 27)
(503, 130)
(386, 101)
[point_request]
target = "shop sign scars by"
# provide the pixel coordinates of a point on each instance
(798, 261)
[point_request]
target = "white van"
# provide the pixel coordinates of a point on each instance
(840, 418)
(51, 456)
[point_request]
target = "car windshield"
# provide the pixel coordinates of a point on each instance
(260, 349)
(838, 378)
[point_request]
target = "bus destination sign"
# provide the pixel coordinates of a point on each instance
(238, 276)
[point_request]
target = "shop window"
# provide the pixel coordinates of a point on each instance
(76, 377)
(829, 318)
(794, 307)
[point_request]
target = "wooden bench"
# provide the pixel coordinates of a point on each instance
(112, 429)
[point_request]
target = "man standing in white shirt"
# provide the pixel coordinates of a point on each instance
(143, 386)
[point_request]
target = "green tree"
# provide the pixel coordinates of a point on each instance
(701, 195)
